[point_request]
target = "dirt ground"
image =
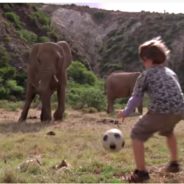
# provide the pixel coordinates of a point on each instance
(8, 123)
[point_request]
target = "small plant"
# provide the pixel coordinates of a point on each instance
(9, 88)
(99, 16)
(78, 73)
(28, 36)
(15, 19)
(43, 39)
(4, 57)
(86, 97)
(40, 18)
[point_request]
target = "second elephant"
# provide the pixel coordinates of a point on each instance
(120, 85)
(46, 73)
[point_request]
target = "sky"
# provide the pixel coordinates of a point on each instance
(170, 6)
(162, 6)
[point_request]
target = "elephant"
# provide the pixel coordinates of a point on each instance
(119, 85)
(47, 73)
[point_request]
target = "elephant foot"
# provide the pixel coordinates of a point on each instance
(21, 120)
(45, 118)
(109, 111)
(58, 116)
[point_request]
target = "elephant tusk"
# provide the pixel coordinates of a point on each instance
(56, 79)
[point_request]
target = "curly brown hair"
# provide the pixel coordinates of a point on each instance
(154, 49)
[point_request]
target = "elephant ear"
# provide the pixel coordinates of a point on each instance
(33, 65)
(35, 54)
(67, 52)
(61, 68)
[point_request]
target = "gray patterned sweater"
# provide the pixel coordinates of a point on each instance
(162, 86)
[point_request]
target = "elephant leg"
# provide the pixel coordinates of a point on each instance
(30, 95)
(59, 113)
(110, 102)
(46, 106)
(140, 108)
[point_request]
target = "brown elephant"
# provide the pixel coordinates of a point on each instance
(46, 73)
(120, 85)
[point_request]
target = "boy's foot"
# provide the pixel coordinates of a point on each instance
(173, 166)
(138, 176)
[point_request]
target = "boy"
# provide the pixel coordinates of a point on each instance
(165, 108)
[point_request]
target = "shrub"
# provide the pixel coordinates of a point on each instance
(92, 97)
(7, 72)
(14, 19)
(53, 35)
(13, 88)
(9, 88)
(79, 74)
(99, 16)
(40, 18)
(28, 36)
(3, 92)
(4, 57)
(85, 96)
(43, 39)
(20, 77)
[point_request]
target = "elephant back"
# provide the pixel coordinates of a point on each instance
(121, 83)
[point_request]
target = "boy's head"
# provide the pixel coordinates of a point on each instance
(154, 50)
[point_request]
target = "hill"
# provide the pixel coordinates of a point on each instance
(108, 40)
(103, 40)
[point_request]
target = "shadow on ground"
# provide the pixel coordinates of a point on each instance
(24, 127)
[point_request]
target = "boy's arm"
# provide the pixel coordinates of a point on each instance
(133, 102)
(137, 95)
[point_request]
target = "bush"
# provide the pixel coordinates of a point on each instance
(78, 73)
(43, 39)
(13, 88)
(28, 36)
(3, 93)
(4, 57)
(9, 88)
(20, 77)
(14, 19)
(85, 96)
(7, 72)
(40, 18)
(99, 16)
(92, 97)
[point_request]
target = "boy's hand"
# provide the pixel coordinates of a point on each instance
(120, 115)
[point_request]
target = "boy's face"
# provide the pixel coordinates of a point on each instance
(148, 63)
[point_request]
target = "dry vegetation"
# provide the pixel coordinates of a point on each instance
(71, 151)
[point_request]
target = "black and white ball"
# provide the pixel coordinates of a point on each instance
(113, 140)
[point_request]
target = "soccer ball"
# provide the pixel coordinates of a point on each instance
(113, 140)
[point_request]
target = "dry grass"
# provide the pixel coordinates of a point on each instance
(77, 140)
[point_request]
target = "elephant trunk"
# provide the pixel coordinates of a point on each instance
(44, 83)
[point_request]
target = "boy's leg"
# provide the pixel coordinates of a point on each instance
(138, 151)
(173, 165)
(172, 146)
(140, 174)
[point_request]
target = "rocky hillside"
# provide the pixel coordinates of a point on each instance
(108, 40)
(103, 40)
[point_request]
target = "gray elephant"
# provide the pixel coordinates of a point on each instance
(120, 85)
(46, 73)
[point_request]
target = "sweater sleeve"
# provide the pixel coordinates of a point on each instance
(133, 102)
(137, 95)
(140, 85)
